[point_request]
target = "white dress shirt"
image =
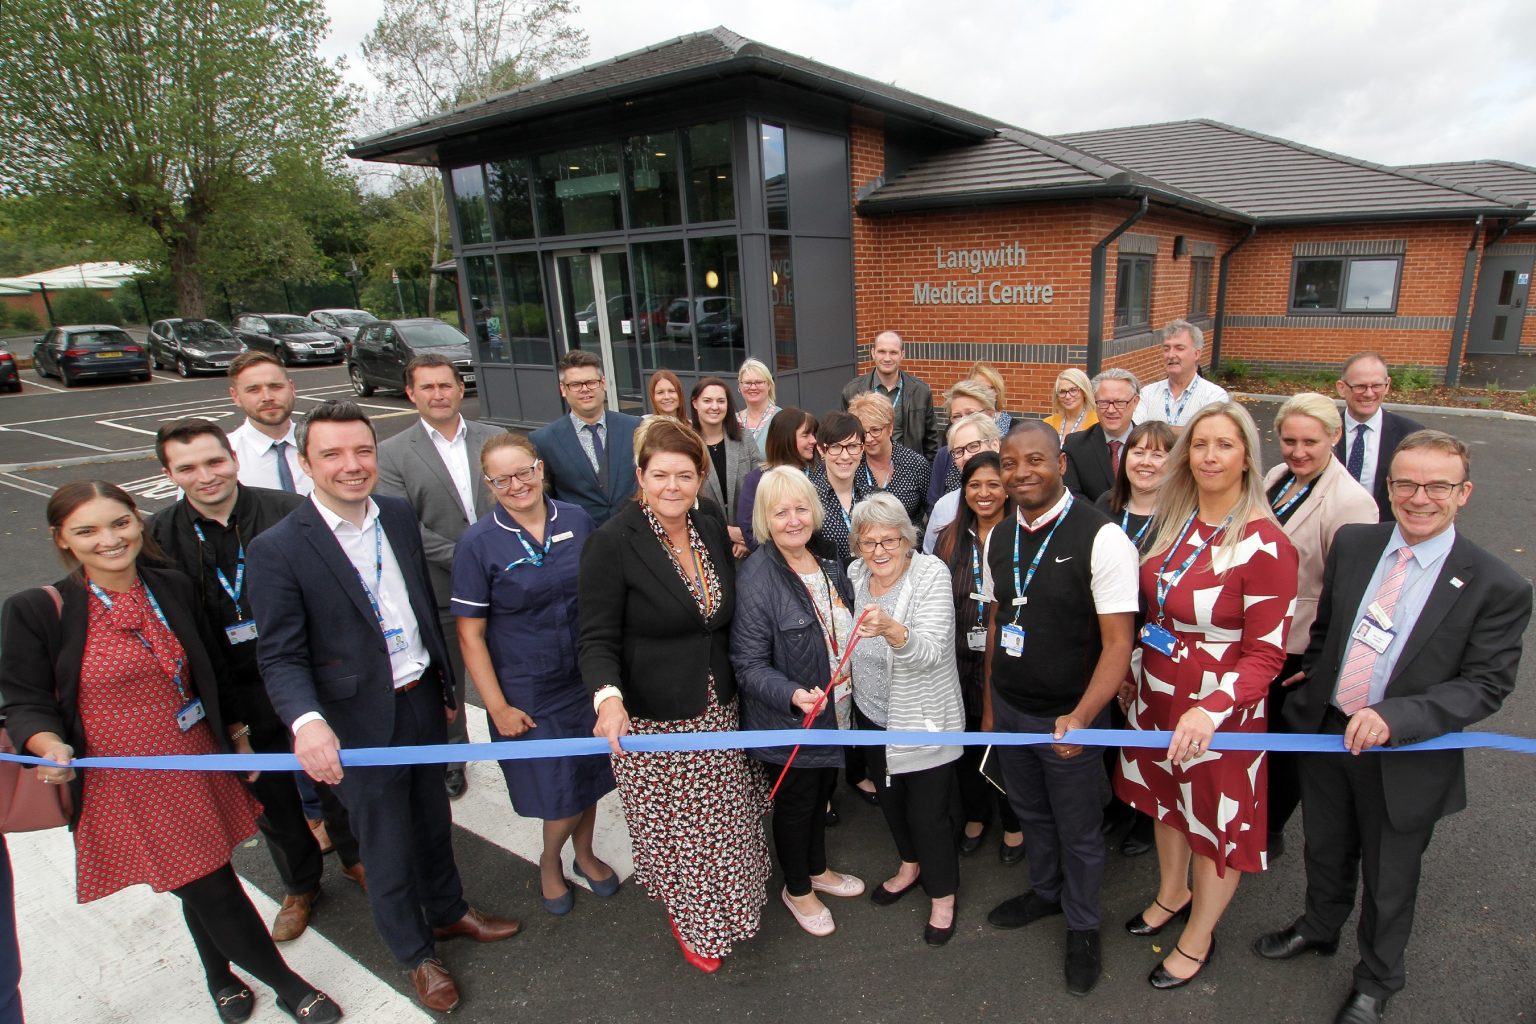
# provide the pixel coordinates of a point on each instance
(453, 451)
(944, 512)
(1114, 563)
(1157, 401)
(1372, 441)
(258, 462)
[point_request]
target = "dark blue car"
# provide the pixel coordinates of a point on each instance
(87, 351)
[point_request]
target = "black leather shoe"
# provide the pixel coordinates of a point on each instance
(1084, 961)
(1021, 910)
(936, 936)
(871, 798)
(1161, 978)
(235, 1003)
(1135, 846)
(970, 844)
(880, 896)
(456, 781)
(1138, 925)
(315, 1008)
(1288, 943)
(1010, 855)
(1360, 1008)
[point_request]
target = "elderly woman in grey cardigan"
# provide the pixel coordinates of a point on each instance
(905, 680)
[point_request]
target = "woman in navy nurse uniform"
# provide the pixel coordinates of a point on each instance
(514, 593)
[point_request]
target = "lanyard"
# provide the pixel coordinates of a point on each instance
(1018, 532)
(698, 565)
(1280, 510)
(1125, 524)
(1064, 431)
(1170, 414)
(232, 592)
(1164, 584)
(106, 602)
(895, 396)
(828, 627)
(378, 574)
(534, 557)
(981, 609)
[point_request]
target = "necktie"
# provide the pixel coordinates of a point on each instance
(1357, 453)
(1114, 457)
(1354, 690)
(598, 452)
(284, 472)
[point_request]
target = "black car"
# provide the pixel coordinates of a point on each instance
(81, 351)
(192, 346)
(291, 339)
(381, 350)
(344, 323)
(10, 376)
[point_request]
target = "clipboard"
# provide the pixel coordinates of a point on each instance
(991, 769)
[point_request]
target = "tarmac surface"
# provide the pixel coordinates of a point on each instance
(613, 960)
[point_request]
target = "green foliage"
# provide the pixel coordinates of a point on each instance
(24, 320)
(1530, 396)
(1412, 378)
(1493, 387)
(1235, 369)
(84, 306)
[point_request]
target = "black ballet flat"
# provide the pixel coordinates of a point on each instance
(1162, 978)
(1138, 925)
(235, 1003)
(873, 799)
(935, 936)
(880, 896)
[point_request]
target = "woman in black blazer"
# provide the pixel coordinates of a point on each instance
(656, 597)
(118, 668)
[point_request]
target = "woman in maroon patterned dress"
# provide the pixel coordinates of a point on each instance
(118, 668)
(1219, 584)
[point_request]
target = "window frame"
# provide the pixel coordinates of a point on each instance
(1197, 264)
(1121, 261)
(1348, 262)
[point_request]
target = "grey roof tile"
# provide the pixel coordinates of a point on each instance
(1517, 182)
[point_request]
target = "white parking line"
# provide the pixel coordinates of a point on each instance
(52, 437)
(24, 485)
(39, 384)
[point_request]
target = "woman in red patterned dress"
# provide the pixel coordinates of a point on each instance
(117, 668)
(1219, 584)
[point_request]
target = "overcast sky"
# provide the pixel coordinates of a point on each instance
(1397, 82)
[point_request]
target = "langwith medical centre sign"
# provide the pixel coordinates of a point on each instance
(982, 288)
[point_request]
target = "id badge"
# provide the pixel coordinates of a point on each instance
(1159, 639)
(976, 640)
(395, 642)
(241, 632)
(1373, 636)
(1013, 640)
(842, 707)
(190, 715)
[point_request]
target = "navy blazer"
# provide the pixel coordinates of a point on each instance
(1393, 429)
(568, 471)
(319, 643)
(1089, 470)
(1457, 665)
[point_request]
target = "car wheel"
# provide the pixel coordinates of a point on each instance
(154, 357)
(144, 377)
(67, 377)
(182, 366)
(281, 353)
(362, 387)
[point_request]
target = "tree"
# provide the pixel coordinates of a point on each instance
(151, 119)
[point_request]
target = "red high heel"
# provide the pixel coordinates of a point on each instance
(707, 964)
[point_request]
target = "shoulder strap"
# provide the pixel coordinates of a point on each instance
(58, 599)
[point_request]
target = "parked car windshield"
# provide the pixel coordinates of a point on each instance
(437, 335)
(204, 330)
(293, 325)
(353, 318)
(97, 339)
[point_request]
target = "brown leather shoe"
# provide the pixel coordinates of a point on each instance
(322, 837)
(434, 986)
(357, 873)
(293, 917)
(480, 927)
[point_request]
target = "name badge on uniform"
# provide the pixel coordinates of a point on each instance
(241, 632)
(557, 538)
(1373, 636)
(395, 642)
(190, 715)
(1013, 640)
(976, 639)
(1159, 639)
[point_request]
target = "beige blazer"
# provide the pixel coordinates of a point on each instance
(1336, 500)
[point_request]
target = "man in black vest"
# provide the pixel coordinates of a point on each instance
(206, 535)
(1064, 588)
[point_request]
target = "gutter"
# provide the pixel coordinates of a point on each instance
(1096, 276)
(1221, 299)
(1463, 303)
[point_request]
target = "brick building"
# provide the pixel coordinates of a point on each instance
(709, 198)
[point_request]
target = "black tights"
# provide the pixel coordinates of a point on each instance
(226, 928)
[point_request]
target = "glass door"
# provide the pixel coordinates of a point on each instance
(599, 317)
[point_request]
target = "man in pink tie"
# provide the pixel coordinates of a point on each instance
(1417, 635)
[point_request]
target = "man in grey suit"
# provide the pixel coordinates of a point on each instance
(435, 465)
(589, 455)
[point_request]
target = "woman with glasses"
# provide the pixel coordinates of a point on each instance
(514, 593)
(965, 398)
(1071, 404)
(758, 396)
(888, 466)
(840, 441)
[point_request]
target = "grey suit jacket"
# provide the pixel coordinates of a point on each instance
(411, 467)
(740, 459)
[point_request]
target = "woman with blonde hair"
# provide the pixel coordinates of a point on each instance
(1071, 404)
(758, 397)
(1217, 578)
(888, 465)
(985, 373)
(964, 398)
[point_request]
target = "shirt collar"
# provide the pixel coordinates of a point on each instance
(1373, 424)
(1108, 437)
(437, 438)
(579, 423)
(267, 441)
(1427, 552)
(335, 522)
(1048, 515)
(551, 513)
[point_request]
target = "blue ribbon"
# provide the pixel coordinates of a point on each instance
(520, 750)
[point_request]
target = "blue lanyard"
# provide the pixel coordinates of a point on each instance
(1125, 524)
(535, 557)
(981, 608)
(1280, 510)
(1062, 434)
(378, 574)
(1019, 590)
(1164, 585)
(895, 396)
(1172, 416)
(232, 592)
(106, 602)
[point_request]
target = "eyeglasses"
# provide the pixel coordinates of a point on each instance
(1068, 392)
(582, 385)
(1113, 403)
(851, 448)
(878, 428)
(889, 544)
(522, 476)
(1404, 490)
(1368, 388)
(964, 451)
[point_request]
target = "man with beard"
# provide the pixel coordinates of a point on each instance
(264, 444)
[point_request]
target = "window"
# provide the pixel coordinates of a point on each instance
(715, 312)
(1346, 284)
(781, 292)
(578, 191)
(1200, 287)
(526, 330)
(1133, 293)
(775, 176)
(651, 179)
(711, 190)
(511, 198)
(485, 309)
(661, 285)
(469, 198)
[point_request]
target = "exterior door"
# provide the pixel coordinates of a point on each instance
(599, 317)
(1503, 288)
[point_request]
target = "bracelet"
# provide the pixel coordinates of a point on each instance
(603, 694)
(240, 733)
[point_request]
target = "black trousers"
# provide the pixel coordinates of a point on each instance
(458, 729)
(978, 797)
(10, 949)
(284, 824)
(1058, 804)
(401, 817)
(922, 810)
(800, 824)
(226, 929)
(1284, 767)
(1349, 835)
